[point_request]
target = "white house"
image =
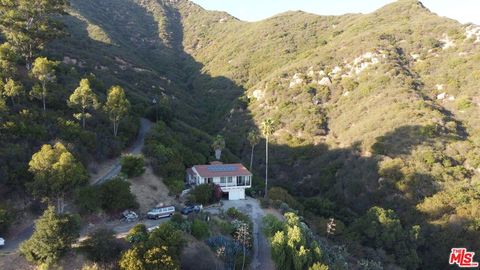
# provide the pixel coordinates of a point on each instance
(232, 178)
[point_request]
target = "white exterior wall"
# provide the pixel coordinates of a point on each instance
(236, 194)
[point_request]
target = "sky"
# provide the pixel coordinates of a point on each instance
(464, 11)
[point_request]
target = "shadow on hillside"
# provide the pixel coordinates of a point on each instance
(344, 176)
(138, 42)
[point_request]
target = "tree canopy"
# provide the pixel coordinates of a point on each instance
(56, 172)
(84, 99)
(29, 24)
(116, 106)
(53, 236)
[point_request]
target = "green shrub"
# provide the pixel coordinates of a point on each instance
(137, 234)
(200, 229)
(464, 103)
(6, 218)
(102, 246)
(116, 196)
(271, 225)
(203, 194)
(88, 200)
(133, 165)
(280, 194)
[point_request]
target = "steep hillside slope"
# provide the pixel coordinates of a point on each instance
(380, 109)
(375, 109)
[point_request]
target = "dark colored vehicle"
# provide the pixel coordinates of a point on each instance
(191, 208)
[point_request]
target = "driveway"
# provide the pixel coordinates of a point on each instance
(262, 259)
(12, 244)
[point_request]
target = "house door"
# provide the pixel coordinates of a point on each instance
(209, 180)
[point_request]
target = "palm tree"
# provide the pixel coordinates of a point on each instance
(218, 145)
(254, 139)
(267, 130)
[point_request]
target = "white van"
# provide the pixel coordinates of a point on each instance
(2, 242)
(161, 212)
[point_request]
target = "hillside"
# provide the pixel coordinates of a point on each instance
(375, 109)
(371, 111)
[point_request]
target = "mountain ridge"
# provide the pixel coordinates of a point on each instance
(376, 109)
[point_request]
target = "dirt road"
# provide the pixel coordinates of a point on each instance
(136, 148)
(261, 259)
(12, 244)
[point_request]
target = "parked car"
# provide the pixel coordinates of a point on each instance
(129, 216)
(191, 208)
(2, 242)
(161, 212)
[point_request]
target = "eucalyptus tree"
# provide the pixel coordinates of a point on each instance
(44, 71)
(116, 106)
(12, 89)
(29, 24)
(83, 99)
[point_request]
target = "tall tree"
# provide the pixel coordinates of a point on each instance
(84, 99)
(56, 173)
(12, 89)
(267, 130)
(29, 24)
(218, 145)
(53, 236)
(7, 62)
(254, 138)
(116, 106)
(44, 71)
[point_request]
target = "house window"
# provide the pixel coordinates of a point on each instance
(247, 179)
(230, 180)
(222, 180)
(240, 181)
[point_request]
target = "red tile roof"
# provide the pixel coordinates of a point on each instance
(219, 170)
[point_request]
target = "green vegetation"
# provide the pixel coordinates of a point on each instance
(132, 165)
(83, 99)
(112, 196)
(53, 236)
(161, 250)
(116, 106)
(115, 195)
(376, 119)
(205, 194)
(102, 247)
(200, 229)
(292, 246)
(56, 173)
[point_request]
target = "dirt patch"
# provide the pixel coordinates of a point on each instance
(150, 191)
(198, 256)
(14, 262)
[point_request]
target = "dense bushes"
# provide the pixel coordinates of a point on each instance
(292, 246)
(200, 229)
(381, 228)
(160, 248)
(132, 165)
(205, 194)
(112, 196)
(6, 218)
(102, 247)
